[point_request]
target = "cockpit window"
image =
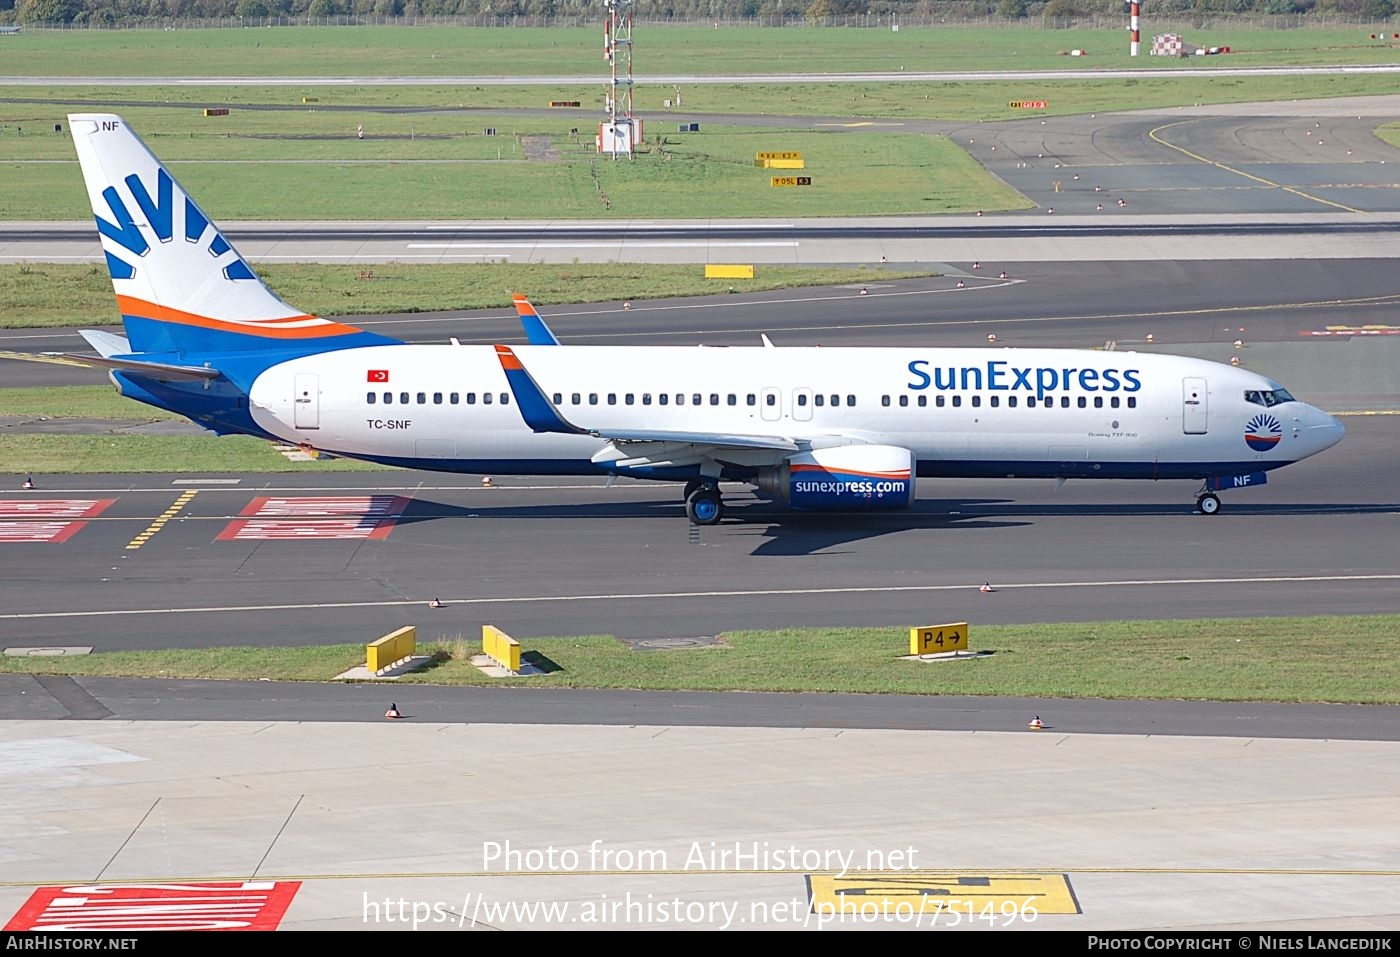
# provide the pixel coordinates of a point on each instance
(1267, 398)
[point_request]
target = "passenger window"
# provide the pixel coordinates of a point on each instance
(558, 398)
(714, 398)
(996, 401)
(1011, 402)
(592, 398)
(1064, 402)
(939, 401)
(923, 401)
(403, 398)
(370, 397)
(646, 398)
(697, 399)
(1030, 402)
(471, 398)
(1098, 402)
(629, 399)
(505, 398)
(453, 398)
(885, 400)
(904, 401)
(957, 401)
(770, 399)
(574, 399)
(680, 398)
(1083, 402)
(733, 399)
(612, 398)
(818, 400)
(751, 399)
(437, 398)
(850, 400)
(388, 398)
(1132, 402)
(422, 398)
(1113, 402)
(662, 399)
(801, 400)
(976, 401)
(485, 398)
(835, 400)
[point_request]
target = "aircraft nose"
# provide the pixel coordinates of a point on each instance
(1325, 430)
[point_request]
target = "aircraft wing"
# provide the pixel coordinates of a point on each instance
(542, 415)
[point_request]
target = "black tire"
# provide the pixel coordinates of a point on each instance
(690, 488)
(704, 506)
(1208, 504)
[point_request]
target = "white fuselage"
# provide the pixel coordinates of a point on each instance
(989, 412)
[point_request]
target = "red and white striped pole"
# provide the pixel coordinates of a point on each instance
(1134, 9)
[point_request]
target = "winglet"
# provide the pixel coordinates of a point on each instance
(537, 333)
(535, 408)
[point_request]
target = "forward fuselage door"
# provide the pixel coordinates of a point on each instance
(770, 404)
(802, 405)
(307, 402)
(1193, 406)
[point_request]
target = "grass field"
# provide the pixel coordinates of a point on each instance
(1321, 659)
(47, 294)
(440, 51)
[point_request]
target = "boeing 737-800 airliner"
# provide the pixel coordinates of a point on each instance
(817, 428)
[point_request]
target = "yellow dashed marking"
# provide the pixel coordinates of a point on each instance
(160, 521)
(31, 357)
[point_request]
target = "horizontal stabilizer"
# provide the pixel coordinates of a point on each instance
(156, 370)
(107, 344)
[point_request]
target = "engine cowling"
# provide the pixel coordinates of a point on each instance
(852, 477)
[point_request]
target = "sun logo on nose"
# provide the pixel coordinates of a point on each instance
(1262, 433)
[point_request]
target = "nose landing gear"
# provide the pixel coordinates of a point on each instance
(1207, 503)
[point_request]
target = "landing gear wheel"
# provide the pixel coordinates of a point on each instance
(1208, 504)
(690, 488)
(703, 506)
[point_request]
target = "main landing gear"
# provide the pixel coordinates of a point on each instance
(703, 505)
(1207, 503)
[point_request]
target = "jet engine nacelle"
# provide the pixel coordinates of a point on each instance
(851, 477)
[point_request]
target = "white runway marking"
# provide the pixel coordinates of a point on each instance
(671, 595)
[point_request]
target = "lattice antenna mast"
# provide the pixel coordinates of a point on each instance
(617, 50)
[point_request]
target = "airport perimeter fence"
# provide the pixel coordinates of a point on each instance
(790, 21)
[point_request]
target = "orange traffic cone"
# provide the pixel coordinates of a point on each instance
(986, 588)
(393, 712)
(1035, 724)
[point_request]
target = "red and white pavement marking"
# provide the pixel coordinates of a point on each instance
(39, 531)
(53, 507)
(224, 905)
(316, 517)
(42, 519)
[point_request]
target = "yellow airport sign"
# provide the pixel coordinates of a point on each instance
(792, 180)
(724, 271)
(1029, 104)
(937, 639)
(941, 898)
(787, 155)
(395, 646)
(500, 647)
